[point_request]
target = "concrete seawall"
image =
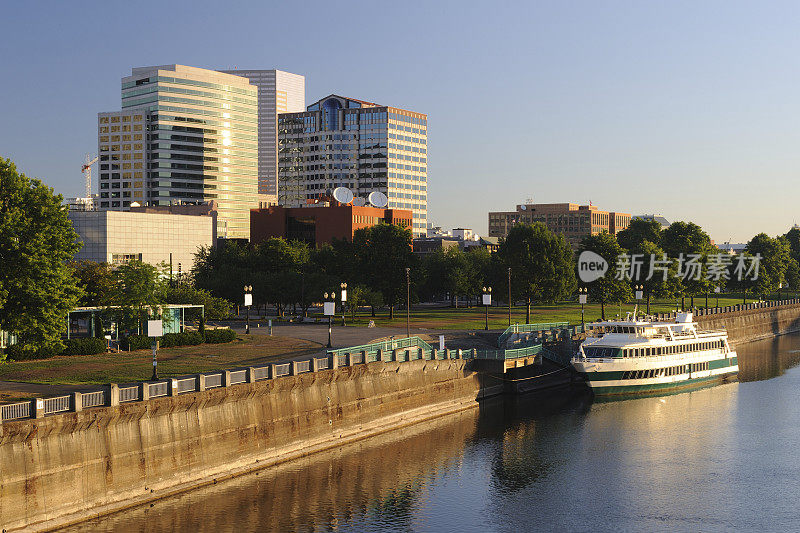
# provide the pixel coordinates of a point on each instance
(754, 324)
(70, 467)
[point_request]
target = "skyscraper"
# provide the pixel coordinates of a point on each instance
(184, 135)
(344, 142)
(278, 92)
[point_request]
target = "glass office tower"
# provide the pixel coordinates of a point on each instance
(197, 140)
(344, 142)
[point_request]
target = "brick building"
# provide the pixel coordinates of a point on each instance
(320, 224)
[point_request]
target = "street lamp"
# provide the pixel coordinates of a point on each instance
(583, 294)
(408, 302)
(716, 292)
(639, 293)
(344, 298)
(509, 296)
(487, 301)
(329, 309)
(248, 301)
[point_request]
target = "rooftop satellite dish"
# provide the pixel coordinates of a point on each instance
(343, 195)
(378, 199)
(359, 201)
(523, 207)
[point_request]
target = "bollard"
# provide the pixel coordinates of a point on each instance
(77, 402)
(251, 375)
(113, 394)
(201, 382)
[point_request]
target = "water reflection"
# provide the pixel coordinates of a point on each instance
(717, 458)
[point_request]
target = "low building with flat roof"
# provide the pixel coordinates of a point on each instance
(322, 223)
(574, 221)
(153, 236)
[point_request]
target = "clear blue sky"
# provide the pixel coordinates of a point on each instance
(689, 109)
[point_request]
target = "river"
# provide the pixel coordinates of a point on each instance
(722, 458)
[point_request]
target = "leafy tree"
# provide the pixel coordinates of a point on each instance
(479, 268)
(607, 288)
(96, 280)
(638, 232)
(446, 272)
(37, 242)
(652, 258)
(138, 291)
(793, 238)
(383, 252)
(185, 293)
(542, 265)
(685, 240)
(775, 255)
(792, 275)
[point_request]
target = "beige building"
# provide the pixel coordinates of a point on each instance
(117, 237)
(184, 135)
(278, 92)
(574, 221)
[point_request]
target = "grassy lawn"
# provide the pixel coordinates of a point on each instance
(137, 365)
(474, 318)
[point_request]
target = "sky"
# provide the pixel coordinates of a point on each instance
(685, 109)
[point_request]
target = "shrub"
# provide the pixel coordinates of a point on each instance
(218, 336)
(187, 338)
(19, 352)
(87, 346)
(135, 342)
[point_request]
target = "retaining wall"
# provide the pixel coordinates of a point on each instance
(73, 466)
(754, 321)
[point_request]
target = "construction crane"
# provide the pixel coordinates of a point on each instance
(87, 172)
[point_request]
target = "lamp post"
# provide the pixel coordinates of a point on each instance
(780, 286)
(639, 292)
(329, 309)
(716, 292)
(408, 302)
(487, 301)
(583, 294)
(344, 299)
(509, 296)
(248, 301)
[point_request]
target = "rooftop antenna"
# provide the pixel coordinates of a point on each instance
(87, 173)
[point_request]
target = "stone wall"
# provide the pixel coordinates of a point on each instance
(754, 322)
(66, 468)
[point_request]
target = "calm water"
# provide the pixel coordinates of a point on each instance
(716, 459)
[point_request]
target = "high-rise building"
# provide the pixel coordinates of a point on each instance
(184, 135)
(343, 142)
(574, 221)
(278, 92)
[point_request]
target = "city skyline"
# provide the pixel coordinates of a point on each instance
(682, 109)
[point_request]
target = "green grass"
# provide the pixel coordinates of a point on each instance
(137, 365)
(474, 318)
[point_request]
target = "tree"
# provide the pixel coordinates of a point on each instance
(37, 242)
(638, 232)
(138, 291)
(658, 284)
(542, 266)
(185, 293)
(775, 255)
(608, 288)
(793, 238)
(447, 272)
(383, 252)
(97, 282)
(688, 241)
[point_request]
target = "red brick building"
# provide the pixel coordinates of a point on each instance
(320, 224)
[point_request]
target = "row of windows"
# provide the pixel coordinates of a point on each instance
(195, 83)
(123, 128)
(408, 139)
(123, 118)
(129, 93)
(116, 138)
(663, 372)
(404, 118)
(412, 168)
(407, 148)
(408, 129)
(653, 350)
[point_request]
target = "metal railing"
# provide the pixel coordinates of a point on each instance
(322, 364)
(93, 399)
(238, 376)
(213, 381)
(529, 328)
(158, 389)
(261, 372)
(187, 385)
(303, 366)
(129, 394)
(58, 404)
(282, 370)
(16, 410)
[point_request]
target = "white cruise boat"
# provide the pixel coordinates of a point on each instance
(630, 356)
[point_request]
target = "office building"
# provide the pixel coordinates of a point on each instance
(366, 147)
(574, 221)
(321, 223)
(152, 235)
(663, 222)
(278, 92)
(184, 135)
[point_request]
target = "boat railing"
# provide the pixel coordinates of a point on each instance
(647, 358)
